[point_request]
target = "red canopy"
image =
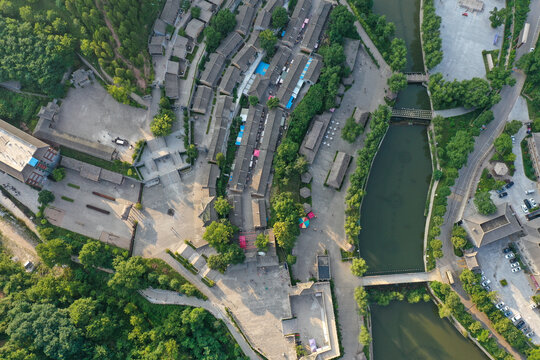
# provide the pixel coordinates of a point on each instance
(310, 215)
(242, 241)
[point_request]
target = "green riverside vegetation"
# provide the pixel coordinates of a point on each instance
(431, 35)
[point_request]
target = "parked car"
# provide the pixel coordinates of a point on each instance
(527, 204)
(503, 194)
(506, 250)
(501, 190)
(509, 185)
(500, 305)
(533, 203)
(508, 314)
(516, 269)
(120, 141)
(533, 306)
(505, 308)
(488, 288)
(520, 324)
(530, 334)
(509, 255)
(514, 264)
(485, 283)
(528, 192)
(516, 318)
(524, 208)
(513, 139)
(513, 260)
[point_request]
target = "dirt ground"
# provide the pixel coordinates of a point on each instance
(18, 243)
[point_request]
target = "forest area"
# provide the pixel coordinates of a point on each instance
(75, 311)
(39, 40)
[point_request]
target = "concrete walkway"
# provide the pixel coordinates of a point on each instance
(392, 279)
(165, 297)
(453, 112)
(383, 66)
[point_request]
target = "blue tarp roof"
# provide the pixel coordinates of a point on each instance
(261, 69)
(33, 162)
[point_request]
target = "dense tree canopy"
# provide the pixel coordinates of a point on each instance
(220, 25)
(341, 25)
(280, 18)
(35, 53)
(484, 204)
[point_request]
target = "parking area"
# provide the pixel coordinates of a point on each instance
(464, 38)
(92, 114)
(110, 223)
(516, 295)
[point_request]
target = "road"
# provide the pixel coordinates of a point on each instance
(464, 186)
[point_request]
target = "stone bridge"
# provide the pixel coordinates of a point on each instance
(392, 279)
(413, 114)
(417, 77)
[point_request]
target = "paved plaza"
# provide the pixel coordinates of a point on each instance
(464, 38)
(76, 216)
(92, 114)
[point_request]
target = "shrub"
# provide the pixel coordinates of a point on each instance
(59, 174)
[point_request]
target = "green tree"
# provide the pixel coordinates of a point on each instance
(192, 153)
(45, 197)
(268, 42)
(285, 234)
(458, 148)
(272, 103)
(55, 251)
(398, 55)
(364, 338)
(212, 38)
(220, 160)
(91, 254)
(195, 12)
(484, 204)
(512, 127)
(497, 17)
(333, 55)
(436, 246)
(82, 311)
(218, 262)
(224, 21)
(361, 298)
(129, 275)
(351, 130)
(222, 206)
(219, 234)
(280, 18)
(162, 124)
(46, 329)
(503, 144)
(253, 100)
(459, 242)
(59, 174)
(397, 82)
(341, 25)
(261, 242)
(359, 267)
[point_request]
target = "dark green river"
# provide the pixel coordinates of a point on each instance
(393, 219)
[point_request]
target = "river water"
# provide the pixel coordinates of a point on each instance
(393, 219)
(415, 332)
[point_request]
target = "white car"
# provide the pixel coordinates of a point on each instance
(524, 208)
(500, 305)
(514, 265)
(513, 139)
(528, 192)
(516, 269)
(516, 318)
(505, 309)
(530, 334)
(532, 49)
(509, 255)
(533, 306)
(533, 203)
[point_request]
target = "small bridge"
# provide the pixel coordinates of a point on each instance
(413, 114)
(392, 279)
(418, 77)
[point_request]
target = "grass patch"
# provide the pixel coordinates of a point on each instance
(115, 166)
(527, 161)
(488, 183)
(67, 199)
(456, 123)
(74, 186)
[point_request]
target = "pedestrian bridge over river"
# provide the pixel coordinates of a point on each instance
(417, 77)
(413, 114)
(392, 279)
